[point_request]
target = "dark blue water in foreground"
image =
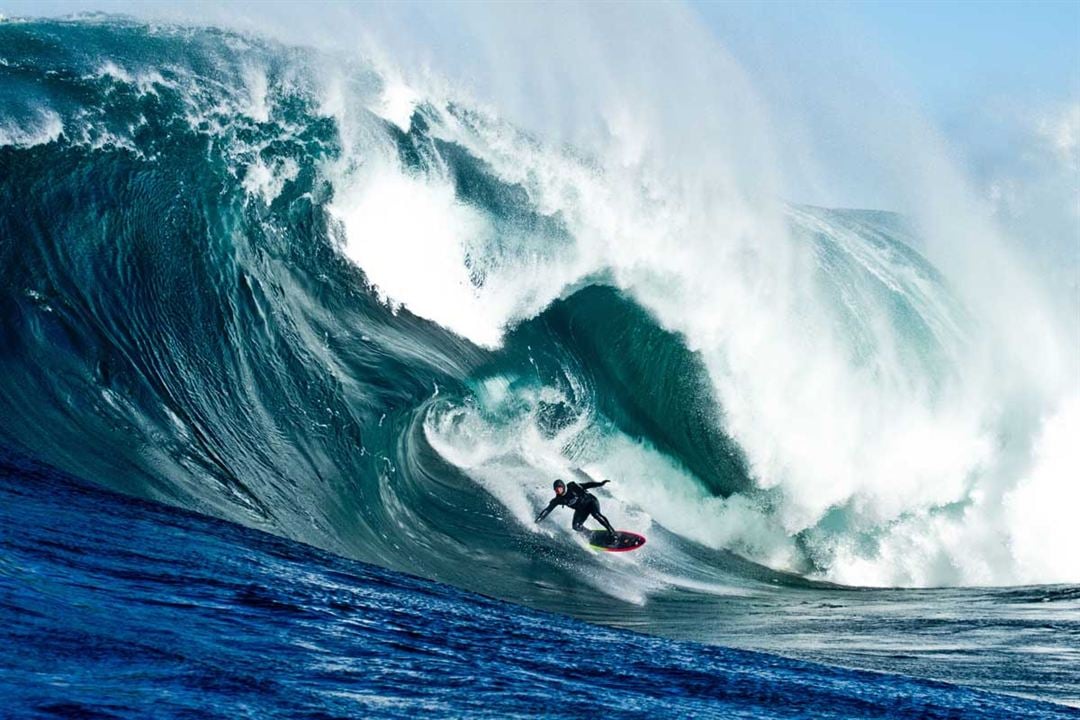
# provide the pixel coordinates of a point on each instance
(115, 607)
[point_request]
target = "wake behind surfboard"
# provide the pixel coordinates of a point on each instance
(621, 541)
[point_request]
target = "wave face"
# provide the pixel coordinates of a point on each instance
(381, 321)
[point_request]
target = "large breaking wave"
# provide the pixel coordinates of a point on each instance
(380, 319)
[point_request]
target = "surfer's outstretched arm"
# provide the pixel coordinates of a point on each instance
(551, 506)
(593, 484)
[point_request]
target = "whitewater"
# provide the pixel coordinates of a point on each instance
(376, 298)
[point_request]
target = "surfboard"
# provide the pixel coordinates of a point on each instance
(623, 541)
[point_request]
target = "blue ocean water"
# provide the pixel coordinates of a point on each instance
(115, 607)
(208, 306)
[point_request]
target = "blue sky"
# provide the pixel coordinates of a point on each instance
(1000, 82)
(1022, 49)
(946, 52)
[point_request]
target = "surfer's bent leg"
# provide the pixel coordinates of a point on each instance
(602, 520)
(581, 514)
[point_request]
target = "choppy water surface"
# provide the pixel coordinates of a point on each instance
(113, 607)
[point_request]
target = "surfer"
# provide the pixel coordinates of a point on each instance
(583, 502)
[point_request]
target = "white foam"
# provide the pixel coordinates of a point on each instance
(644, 478)
(145, 82)
(258, 87)
(47, 128)
(114, 71)
(268, 180)
(1041, 510)
(412, 237)
(397, 103)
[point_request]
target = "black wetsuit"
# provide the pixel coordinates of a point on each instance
(583, 503)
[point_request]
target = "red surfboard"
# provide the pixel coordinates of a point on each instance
(621, 541)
